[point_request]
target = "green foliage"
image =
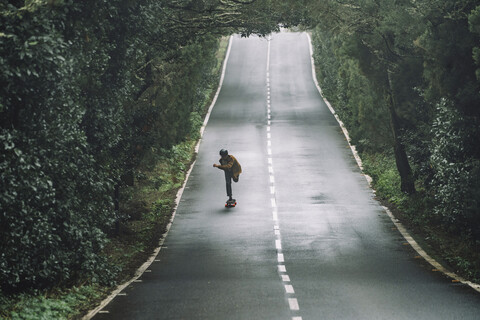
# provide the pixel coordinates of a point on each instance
(54, 199)
(375, 50)
(386, 180)
(47, 309)
(457, 174)
(357, 102)
(448, 42)
(474, 27)
(53, 306)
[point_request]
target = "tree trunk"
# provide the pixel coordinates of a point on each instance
(401, 159)
(116, 201)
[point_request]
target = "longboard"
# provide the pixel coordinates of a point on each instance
(231, 203)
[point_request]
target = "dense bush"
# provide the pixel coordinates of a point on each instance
(457, 174)
(54, 200)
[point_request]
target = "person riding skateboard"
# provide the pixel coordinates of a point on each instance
(232, 170)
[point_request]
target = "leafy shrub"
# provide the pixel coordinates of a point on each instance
(457, 174)
(386, 180)
(55, 203)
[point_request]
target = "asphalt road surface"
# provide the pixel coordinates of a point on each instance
(307, 240)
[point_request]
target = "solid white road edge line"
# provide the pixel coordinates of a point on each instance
(144, 267)
(399, 226)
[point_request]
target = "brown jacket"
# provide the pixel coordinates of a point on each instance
(231, 164)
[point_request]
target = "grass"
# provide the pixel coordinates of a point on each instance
(457, 252)
(56, 304)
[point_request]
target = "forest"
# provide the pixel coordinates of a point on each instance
(89, 90)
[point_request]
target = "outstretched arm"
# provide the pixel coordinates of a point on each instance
(226, 166)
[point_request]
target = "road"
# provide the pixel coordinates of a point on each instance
(307, 239)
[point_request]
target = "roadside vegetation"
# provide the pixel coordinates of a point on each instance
(404, 78)
(101, 104)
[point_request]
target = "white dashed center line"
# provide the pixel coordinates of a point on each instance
(293, 305)
(289, 288)
(282, 270)
(285, 278)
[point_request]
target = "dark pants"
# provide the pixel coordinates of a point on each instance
(228, 180)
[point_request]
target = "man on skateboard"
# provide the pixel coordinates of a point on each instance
(232, 170)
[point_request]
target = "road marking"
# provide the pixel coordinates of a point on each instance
(289, 288)
(274, 203)
(278, 244)
(293, 303)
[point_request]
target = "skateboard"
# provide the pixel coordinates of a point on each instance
(231, 203)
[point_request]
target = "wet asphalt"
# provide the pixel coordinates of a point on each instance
(307, 239)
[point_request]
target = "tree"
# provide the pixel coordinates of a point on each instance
(375, 39)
